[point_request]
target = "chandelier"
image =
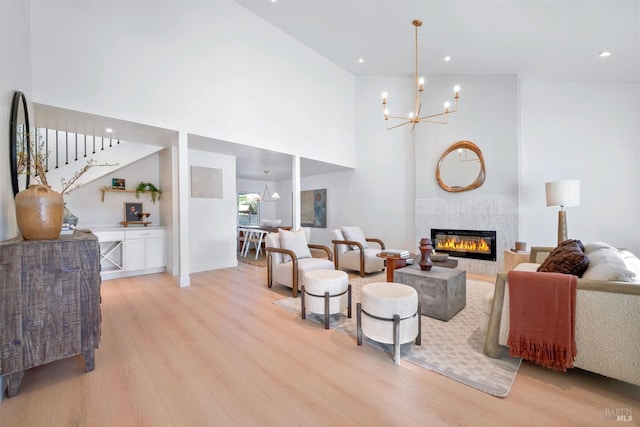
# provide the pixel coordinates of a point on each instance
(266, 194)
(414, 117)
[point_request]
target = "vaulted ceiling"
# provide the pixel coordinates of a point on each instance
(546, 39)
(540, 39)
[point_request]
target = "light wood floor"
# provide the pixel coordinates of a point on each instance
(220, 353)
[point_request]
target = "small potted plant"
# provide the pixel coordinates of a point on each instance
(156, 193)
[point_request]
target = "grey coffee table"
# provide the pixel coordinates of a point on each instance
(442, 292)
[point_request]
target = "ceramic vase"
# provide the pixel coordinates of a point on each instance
(39, 213)
(69, 218)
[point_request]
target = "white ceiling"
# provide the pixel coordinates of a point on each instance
(547, 39)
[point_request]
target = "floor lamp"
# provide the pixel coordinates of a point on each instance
(563, 193)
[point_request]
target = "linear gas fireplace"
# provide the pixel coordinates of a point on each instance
(475, 244)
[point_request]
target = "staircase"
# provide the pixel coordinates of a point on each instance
(69, 152)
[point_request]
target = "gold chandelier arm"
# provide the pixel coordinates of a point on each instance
(444, 113)
(408, 119)
(398, 125)
(446, 122)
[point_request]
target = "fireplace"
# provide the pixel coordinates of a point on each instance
(475, 244)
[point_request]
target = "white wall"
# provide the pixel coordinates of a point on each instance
(212, 222)
(378, 194)
(86, 204)
(487, 116)
(209, 68)
(15, 75)
(582, 131)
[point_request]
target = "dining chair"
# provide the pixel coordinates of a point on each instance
(256, 237)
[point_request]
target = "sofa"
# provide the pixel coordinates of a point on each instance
(607, 330)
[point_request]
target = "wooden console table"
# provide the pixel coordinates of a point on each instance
(49, 303)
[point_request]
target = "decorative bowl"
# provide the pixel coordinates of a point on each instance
(271, 222)
(439, 257)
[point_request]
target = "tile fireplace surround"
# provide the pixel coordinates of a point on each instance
(499, 213)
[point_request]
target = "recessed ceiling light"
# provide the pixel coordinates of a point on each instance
(273, 1)
(361, 60)
(108, 130)
(604, 54)
(447, 58)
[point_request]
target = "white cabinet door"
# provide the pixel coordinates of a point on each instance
(155, 252)
(135, 254)
(144, 249)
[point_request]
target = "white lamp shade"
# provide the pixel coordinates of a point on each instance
(563, 193)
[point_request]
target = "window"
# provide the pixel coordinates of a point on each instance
(248, 209)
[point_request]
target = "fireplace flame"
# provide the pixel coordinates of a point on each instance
(455, 244)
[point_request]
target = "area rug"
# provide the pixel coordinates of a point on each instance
(262, 259)
(251, 258)
(453, 349)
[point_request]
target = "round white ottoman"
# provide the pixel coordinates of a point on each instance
(389, 313)
(326, 291)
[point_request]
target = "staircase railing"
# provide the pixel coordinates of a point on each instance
(50, 143)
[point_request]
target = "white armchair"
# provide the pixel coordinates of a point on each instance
(352, 252)
(289, 258)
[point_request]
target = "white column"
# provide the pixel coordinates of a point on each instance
(295, 201)
(183, 204)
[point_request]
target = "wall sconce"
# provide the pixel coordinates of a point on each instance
(563, 193)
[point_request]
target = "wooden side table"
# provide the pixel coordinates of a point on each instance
(512, 259)
(393, 262)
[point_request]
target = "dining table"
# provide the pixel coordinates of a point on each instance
(259, 228)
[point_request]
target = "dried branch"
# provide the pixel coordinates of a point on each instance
(69, 185)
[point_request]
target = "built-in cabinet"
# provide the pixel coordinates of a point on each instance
(128, 251)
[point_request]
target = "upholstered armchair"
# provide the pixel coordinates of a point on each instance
(289, 258)
(352, 252)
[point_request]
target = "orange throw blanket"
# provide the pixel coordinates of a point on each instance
(542, 310)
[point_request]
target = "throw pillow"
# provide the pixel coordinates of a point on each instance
(567, 258)
(630, 261)
(355, 234)
(608, 264)
(296, 242)
(594, 246)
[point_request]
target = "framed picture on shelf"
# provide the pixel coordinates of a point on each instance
(117, 183)
(133, 212)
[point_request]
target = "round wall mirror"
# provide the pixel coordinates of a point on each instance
(461, 167)
(19, 147)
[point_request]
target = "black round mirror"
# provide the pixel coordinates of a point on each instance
(19, 146)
